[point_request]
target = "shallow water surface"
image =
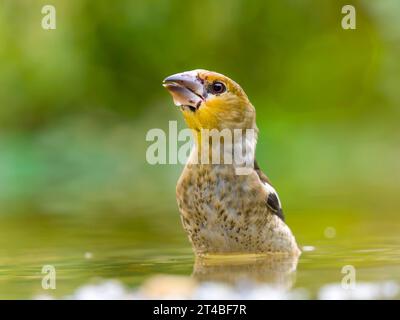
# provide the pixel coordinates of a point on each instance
(120, 256)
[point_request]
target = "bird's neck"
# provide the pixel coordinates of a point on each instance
(228, 146)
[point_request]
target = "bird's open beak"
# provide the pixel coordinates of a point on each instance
(186, 89)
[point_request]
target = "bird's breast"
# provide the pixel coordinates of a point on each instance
(224, 212)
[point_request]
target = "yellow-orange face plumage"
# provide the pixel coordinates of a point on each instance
(210, 100)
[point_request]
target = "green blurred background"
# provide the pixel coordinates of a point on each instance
(76, 104)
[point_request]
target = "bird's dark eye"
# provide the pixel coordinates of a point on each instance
(217, 87)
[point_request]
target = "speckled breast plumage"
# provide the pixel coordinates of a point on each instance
(226, 213)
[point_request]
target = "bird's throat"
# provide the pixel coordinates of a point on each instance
(228, 146)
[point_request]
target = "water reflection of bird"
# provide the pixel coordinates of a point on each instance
(222, 211)
(276, 270)
(247, 276)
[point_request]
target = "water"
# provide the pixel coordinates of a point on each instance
(123, 256)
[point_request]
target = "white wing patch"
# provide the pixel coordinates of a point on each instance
(270, 189)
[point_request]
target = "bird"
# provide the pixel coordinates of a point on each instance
(224, 212)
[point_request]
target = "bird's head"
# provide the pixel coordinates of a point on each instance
(210, 100)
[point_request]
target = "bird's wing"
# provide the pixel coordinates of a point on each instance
(272, 201)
